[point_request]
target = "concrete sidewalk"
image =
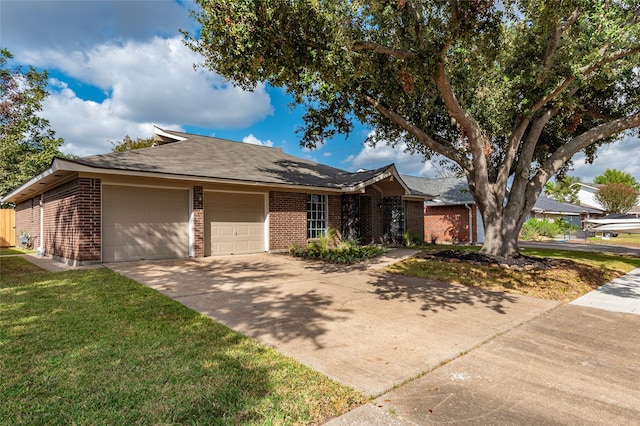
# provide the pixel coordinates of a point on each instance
(572, 365)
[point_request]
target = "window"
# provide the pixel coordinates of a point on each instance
(316, 215)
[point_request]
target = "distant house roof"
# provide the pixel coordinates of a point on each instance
(445, 191)
(547, 205)
(182, 155)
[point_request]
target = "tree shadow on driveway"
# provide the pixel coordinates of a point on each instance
(258, 297)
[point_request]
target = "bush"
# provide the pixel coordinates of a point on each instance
(411, 239)
(534, 229)
(344, 252)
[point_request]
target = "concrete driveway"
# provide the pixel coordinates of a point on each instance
(356, 324)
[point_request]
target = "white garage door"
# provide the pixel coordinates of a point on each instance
(234, 223)
(144, 223)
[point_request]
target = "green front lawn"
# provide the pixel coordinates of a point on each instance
(631, 240)
(6, 251)
(94, 347)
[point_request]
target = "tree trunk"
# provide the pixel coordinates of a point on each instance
(500, 236)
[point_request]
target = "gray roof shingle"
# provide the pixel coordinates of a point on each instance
(447, 191)
(544, 204)
(210, 157)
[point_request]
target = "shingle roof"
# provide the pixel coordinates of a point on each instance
(544, 204)
(210, 157)
(447, 191)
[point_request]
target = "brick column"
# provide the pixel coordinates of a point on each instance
(198, 221)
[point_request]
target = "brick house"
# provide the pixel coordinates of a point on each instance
(451, 214)
(196, 196)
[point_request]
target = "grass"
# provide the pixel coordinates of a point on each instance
(581, 273)
(94, 347)
(6, 251)
(630, 240)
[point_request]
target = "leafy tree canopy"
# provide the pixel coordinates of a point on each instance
(27, 144)
(128, 144)
(617, 197)
(509, 91)
(617, 176)
(563, 189)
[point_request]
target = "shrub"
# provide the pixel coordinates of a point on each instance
(343, 252)
(534, 229)
(411, 239)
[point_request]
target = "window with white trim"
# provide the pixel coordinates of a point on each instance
(316, 215)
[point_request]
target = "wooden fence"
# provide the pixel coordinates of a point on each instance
(7, 227)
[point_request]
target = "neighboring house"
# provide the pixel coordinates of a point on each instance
(547, 208)
(451, 216)
(587, 196)
(195, 196)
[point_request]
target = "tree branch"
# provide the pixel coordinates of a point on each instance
(510, 153)
(555, 38)
(471, 130)
(566, 151)
(423, 137)
(377, 48)
(620, 54)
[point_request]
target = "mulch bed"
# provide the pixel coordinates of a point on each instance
(520, 263)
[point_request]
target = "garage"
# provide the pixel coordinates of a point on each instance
(234, 223)
(144, 223)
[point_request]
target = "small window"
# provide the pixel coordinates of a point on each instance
(316, 215)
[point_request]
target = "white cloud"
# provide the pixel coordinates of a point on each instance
(255, 141)
(89, 127)
(623, 155)
(145, 82)
(371, 157)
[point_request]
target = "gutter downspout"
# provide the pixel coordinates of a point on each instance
(40, 249)
(470, 222)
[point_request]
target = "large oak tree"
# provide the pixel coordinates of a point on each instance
(509, 91)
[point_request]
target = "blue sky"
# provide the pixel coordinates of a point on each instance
(118, 67)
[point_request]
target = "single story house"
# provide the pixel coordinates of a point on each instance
(550, 209)
(196, 196)
(451, 214)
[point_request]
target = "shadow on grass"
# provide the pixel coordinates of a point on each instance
(436, 296)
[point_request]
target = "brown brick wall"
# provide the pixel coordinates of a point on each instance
(28, 220)
(448, 223)
(414, 217)
(335, 212)
(287, 219)
(371, 218)
(72, 221)
(198, 221)
(90, 218)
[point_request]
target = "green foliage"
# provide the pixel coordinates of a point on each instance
(617, 197)
(128, 144)
(331, 250)
(503, 89)
(411, 239)
(617, 176)
(27, 144)
(563, 189)
(534, 229)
